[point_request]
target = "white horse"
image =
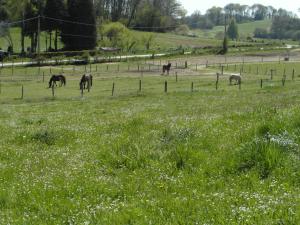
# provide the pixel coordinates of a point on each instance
(236, 77)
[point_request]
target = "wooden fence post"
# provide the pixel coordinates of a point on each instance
(176, 77)
(293, 74)
(140, 86)
(43, 77)
(166, 86)
(261, 83)
(186, 65)
(192, 87)
(283, 80)
(113, 89)
(22, 92)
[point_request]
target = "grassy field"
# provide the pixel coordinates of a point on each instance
(245, 29)
(225, 156)
(162, 41)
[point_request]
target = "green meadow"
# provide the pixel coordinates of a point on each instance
(196, 154)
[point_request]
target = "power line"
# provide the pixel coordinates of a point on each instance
(20, 21)
(69, 21)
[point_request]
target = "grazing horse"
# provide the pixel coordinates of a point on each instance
(55, 78)
(86, 81)
(236, 77)
(167, 68)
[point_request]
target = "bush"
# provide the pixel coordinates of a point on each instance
(182, 30)
(261, 33)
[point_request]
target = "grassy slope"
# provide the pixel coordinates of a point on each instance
(211, 157)
(162, 40)
(245, 29)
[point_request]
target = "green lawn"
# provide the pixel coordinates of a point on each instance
(225, 156)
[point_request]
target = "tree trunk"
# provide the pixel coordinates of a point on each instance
(22, 42)
(32, 42)
(56, 39)
(50, 35)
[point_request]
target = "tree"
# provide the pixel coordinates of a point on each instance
(5, 33)
(79, 33)
(54, 12)
(233, 30)
(30, 27)
(4, 13)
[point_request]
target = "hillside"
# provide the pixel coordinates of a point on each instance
(245, 29)
(162, 41)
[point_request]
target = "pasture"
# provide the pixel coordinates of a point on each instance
(200, 152)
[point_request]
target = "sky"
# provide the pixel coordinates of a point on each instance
(192, 5)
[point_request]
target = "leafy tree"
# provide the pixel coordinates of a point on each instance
(80, 32)
(30, 27)
(5, 33)
(4, 13)
(54, 9)
(118, 36)
(261, 33)
(148, 40)
(225, 45)
(233, 30)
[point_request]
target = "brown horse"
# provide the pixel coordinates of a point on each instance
(86, 81)
(55, 78)
(167, 68)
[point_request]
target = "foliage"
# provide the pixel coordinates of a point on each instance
(117, 35)
(5, 33)
(54, 9)
(148, 40)
(80, 34)
(225, 45)
(261, 33)
(232, 31)
(182, 30)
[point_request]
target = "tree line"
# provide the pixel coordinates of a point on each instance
(76, 22)
(217, 16)
(81, 24)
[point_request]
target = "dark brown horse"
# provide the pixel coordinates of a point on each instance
(86, 81)
(56, 78)
(167, 68)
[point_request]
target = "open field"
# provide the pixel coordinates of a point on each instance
(162, 41)
(226, 156)
(245, 29)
